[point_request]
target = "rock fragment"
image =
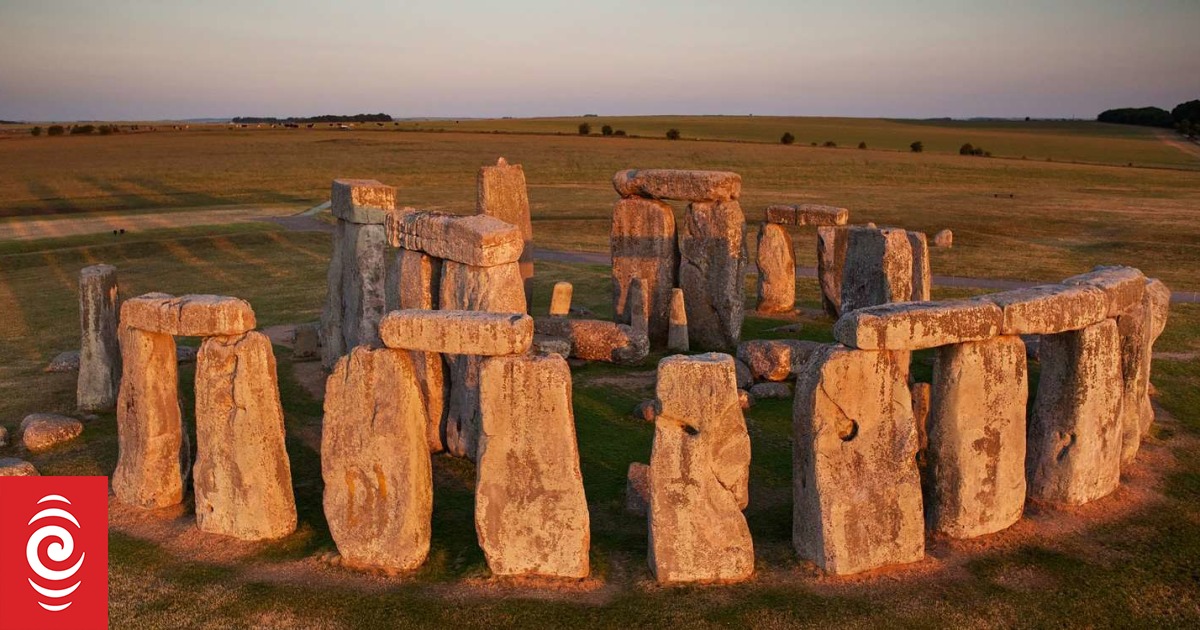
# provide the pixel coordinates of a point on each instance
(776, 263)
(100, 351)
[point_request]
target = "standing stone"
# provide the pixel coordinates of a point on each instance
(1158, 301)
(878, 268)
(699, 474)
(638, 308)
(333, 344)
(922, 400)
(1133, 326)
(712, 273)
(975, 483)
(357, 295)
(242, 476)
(644, 246)
(944, 238)
(776, 270)
(490, 289)
(99, 350)
(677, 337)
(831, 258)
(375, 461)
(857, 490)
(922, 276)
(501, 193)
(416, 281)
(1074, 452)
(560, 299)
(530, 511)
(149, 428)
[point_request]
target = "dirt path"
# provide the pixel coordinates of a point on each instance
(1173, 139)
(31, 229)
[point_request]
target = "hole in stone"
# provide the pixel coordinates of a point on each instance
(847, 429)
(690, 430)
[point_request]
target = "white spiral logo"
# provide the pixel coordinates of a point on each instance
(59, 551)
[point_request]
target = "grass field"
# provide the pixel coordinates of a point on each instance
(1129, 561)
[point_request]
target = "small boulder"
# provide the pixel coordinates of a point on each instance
(64, 362)
(646, 410)
(43, 431)
(944, 238)
(771, 390)
(306, 342)
(13, 467)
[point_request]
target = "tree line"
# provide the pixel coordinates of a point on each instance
(1184, 116)
(326, 118)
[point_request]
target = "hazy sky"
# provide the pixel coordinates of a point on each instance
(150, 59)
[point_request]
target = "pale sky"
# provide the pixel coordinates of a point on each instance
(156, 59)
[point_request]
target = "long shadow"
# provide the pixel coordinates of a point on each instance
(125, 198)
(178, 196)
(52, 204)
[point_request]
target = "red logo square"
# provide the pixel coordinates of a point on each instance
(53, 553)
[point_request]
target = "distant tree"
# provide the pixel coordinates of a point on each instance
(966, 149)
(55, 130)
(606, 130)
(829, 143)
(787, 138)
(584, 129)
(1189, 111)
(82, 129)
(619, 132)
(917, 146)
(36, 131)
(672, 134)
(1142, 116)
(812, 144)
(862, 145)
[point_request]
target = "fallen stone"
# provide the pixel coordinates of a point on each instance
(501, 193)
(64, 362)
(560, 299)
(807, 214)
(361, 200)
(188, 315)
(1074, 436)
(13, 467)
(643, 245)
(975, 479)
(712, 273)
(922, 278)
(375, 461)
(596, 340)
(922, 401)
(699, 474)
(677, 337)
(831, 258)
(878, 268)
(306, 342)
(1050, 309)
(646, 410)
(1123, 286)
(242, 475)
(857, 490)
(637, 489)
(678, 184)
(944, 238)
(776, 262)
(458, 332)
(767, 391)
(745, 399)
(149, 425)
(745, 378)
(476, 240)
(546, 344)
(415, 281)
(100, 352)
(918, 325)
(43, 431)
(530, 511)
(775, 359)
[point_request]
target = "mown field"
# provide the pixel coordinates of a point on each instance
(1132, 560)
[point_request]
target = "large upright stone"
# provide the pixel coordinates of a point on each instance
(501, 193)
(333, 344)
(699, 474)
(1074, 451)
(375, 461)
(242, 476)
(678, 184)
(99, 349)
(712, 273)
(530, 511)
(856, 486)
(644, 246)
(922, 276)
(357, 290)
(975, 480)
(831, 258)
(1133, 326)
(776, 262)
(361, 200)
(416, 282)
(149, 428)
(1158, 300)
(878, 268)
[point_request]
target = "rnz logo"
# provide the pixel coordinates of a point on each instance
(60, 550)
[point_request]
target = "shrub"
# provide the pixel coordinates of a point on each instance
(37, 131)
(55, 130)
(672, 134)
(862, 145)
(606, 130)
(619, 132)
(829, 143)
(584, 129)
(82, 129)
(966, 149)
(812, 144)
(917, 146)
(787, 138)
(107, 129)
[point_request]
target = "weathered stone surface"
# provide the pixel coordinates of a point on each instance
(13, 467)
(333, 346)
(67, 361)
(831, 258)
(99, 350)
(496, 289)
(414, 281)
(857, 490)
(3, 436)
(477, 240)
(1133, 326)
(596, 340)
(745, 378)
(712, 273)
(501, 193)
(188, 315)
(975, 481)
(807, 214)
(458, 332)
(1123, 286)
(306, 342)
(677, 336)
(644, 246)
(775, 359)
(361, 200)
(922, 278)
(1157, 300)
(44, 431)
(435, 392)
(1050, 309)
(776, 262)
(878, 268)
(149, 429)
(678, 184)
(375, 461)
(944, 238)
(364, 283)
(530, 511)
(546, 344)
(560, 299)
(637, 308)
(767, 391)
(242, 475)
(918, 325)
(922, 396)
(646, 410)
(699, 474)
(745, 399)
(637, 489)
(1074, 444)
